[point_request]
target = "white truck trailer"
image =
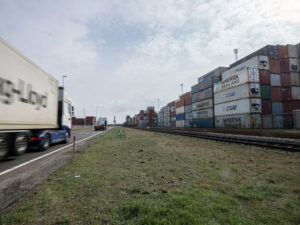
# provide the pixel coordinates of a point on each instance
(34, 111)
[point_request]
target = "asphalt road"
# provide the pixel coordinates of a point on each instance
(14, 161)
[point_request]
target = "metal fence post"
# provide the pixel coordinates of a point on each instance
(74, 144)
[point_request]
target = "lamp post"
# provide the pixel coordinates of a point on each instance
(63, 80)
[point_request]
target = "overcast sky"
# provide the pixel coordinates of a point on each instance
(120, 56)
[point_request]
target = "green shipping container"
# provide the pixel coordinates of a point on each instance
(265, 91)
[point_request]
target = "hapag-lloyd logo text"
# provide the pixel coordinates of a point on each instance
(24, 93)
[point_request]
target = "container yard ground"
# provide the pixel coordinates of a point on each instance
(154, 178)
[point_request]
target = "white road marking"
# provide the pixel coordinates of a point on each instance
(43, 156)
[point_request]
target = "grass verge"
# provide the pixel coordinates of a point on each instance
(152, 178)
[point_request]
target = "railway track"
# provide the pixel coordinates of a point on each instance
(285, 144)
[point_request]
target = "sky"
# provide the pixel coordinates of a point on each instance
(122, 56)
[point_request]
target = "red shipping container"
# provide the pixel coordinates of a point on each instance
(287, 107)
(295, 105)
(264, 77)
(284, 66)
(286, 94)
(173, 114)
(266, 106)
(276, 94)
(179, 103)
(285, 79)
(288, 121)
(283, 51)
(274, 66)
(171, 103)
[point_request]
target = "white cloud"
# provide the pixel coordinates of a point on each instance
(123, 55)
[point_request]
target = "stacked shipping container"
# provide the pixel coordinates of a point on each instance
(172, 113)
(237, 100)
(202, 99)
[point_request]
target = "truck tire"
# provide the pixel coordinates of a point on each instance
(20, 143)
(4, 145)
(67, 137)
(46, 143)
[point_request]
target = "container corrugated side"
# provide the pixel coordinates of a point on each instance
(188, 116)
(295, 79)
(267, 121)
(266, 106)
(208, 103)
(265, 91)
(285, 80)
(293, 51)
(188, 108)
(274, 66)
(180, 123)
(295, 93)
(180, 110)
(275, 80)
(202, 95)
(204, 113)
(203, 123)
(277, 108)
(188, 123)
(294, 65)
(243, 91)
(180, 116)
(239, 121)
(257, 62)
(239, 78)
(247, 105)
(283, 52)
(278, 122)
(206, 83)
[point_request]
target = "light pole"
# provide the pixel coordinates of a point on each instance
(181, 89)
(63, 80)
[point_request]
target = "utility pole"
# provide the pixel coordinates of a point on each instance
(181, 88)
(236, 53)
(63, 80)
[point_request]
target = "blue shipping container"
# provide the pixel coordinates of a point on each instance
(205, 123)
(277, 108)
(202, 95)
(188, 123)
(180, 116)
(188, 108)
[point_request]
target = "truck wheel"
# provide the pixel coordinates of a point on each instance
(4, 146)
(20, 144)
(46, 143)
(67, 138)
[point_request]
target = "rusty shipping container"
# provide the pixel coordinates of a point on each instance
(264, 76)
(179, 103)
(286, 94)
(276, 94)
(283, 52)
(285, 79)
(208, 103)
(287, 107)
(295, 105)
(248, 90)
(266, 106)
(284, 66)
(274, 66)
(202, 95)
(247, 105)
(239, 121)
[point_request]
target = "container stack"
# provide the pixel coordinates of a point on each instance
(180, 117)
(167, 116)
(172, 113)
(161, 118)
(187, 98)
(237, 99)
(202, 99)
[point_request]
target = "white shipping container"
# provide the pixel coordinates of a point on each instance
(180, 123)
(294, 65)
(243, 76)
(257, 62)
(248, 90)
(28, 95)
(208, 103)
(204, 113)
(239, 121)
(293, 51)
(180, 110)
(247, 105)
